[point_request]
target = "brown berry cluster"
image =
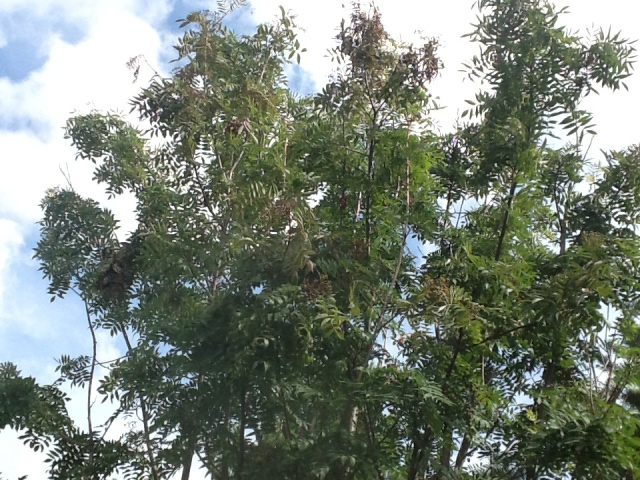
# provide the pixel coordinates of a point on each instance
(437, 289)
(283, 207)
(312, 288)
(360, 250)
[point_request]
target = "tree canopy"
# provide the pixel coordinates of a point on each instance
(324, 287)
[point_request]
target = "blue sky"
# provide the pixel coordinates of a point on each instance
(64, 56)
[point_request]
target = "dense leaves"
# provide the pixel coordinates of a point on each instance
(280, 318)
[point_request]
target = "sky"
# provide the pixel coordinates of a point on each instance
(61, 57)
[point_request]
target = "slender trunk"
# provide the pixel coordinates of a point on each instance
(349, 418)
(548, 380)
(155, 475)
(349, 425)
(241, 444)
(416, 457)
(421, 444)
(224, 468)
(186, 466)
(563, 234)
(530, 473)
(445, 453)
(463, 451)
(505, 221)
(370, 175)
(92, 369)
(560, 215)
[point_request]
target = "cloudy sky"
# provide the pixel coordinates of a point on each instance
(63, 56)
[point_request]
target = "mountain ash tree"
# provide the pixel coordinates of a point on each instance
(324, 287)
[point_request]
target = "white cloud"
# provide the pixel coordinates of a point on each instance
(78, 12)
(11, 240)
(75, 78)
(91, 74)
(18, 459)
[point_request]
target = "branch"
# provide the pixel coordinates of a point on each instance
(94, 344)
(502, 333)
(155, 475)
(505, 221)
(463, 451)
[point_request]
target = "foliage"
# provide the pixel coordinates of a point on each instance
(279, 319)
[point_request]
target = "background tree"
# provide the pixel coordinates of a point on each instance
(278, 316)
